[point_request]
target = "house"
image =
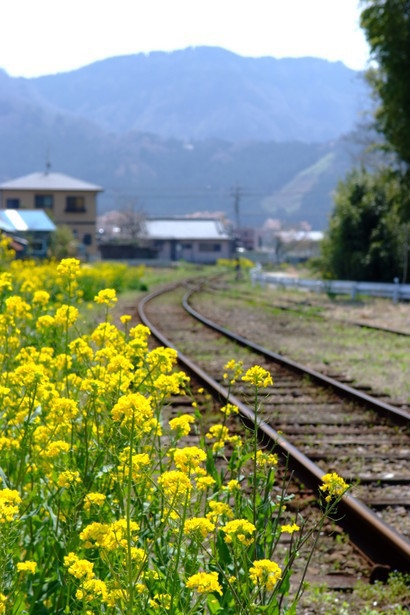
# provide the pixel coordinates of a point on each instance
(68, 201)
(29, 230)
(194, 240)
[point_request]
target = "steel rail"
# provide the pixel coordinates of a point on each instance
(376, 540)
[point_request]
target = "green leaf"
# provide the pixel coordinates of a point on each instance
(213, 604)
(223, 551)
(285, 583)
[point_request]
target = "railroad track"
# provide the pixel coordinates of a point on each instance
(318, 424)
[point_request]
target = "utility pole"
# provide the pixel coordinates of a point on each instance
(406, 250)
(236, 192)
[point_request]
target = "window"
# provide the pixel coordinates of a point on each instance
(209, 247)
(75, 204)
(43, 201)
(87, 239)
(186, 246)
(39, 247)
(12, 203)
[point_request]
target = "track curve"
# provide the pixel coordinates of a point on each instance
(383, 544)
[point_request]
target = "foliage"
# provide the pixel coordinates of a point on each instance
(364, 239)
(7, 254)
(386, 24)
(62, 243)
(103, 506)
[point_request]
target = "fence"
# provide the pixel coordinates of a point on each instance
(395, 291)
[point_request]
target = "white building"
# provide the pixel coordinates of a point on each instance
(194, 240)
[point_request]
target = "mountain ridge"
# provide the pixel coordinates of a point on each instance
(208, 92)
(84, 122)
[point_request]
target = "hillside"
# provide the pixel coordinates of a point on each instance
(207, 93)
(174, 133)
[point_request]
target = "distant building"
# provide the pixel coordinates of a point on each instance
(194, 240)
(29, 231)
(68, 201)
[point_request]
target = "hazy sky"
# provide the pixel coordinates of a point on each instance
(40, 37)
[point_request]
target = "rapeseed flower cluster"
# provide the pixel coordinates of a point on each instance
(333, 485)
(103, 507)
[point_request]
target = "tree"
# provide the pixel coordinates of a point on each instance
(62, 243)
(386, 24)
(365, 237)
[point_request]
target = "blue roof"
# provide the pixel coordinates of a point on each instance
(20, 220)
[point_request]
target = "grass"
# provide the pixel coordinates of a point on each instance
(391, 598)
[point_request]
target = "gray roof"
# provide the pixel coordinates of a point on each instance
(12, 220)
(185, 229)
(49, 181)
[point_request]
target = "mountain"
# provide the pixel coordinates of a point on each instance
(207, 93)
(173, 133)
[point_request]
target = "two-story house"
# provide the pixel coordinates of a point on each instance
(67, 201)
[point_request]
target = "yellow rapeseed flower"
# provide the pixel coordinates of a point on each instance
(67, 479)
(133, 406)
(198, 525)
(79, 568)
(175, 483)
(56, 448)
(162, 359)
(108, 536)
(181, 424)
(94, 499)
(233, 485)
(27, 566)
(108, 297)
(219, 509)
(234, 369)
(66, 315)
(45, 322)
(204, 583)
(239, 530)
(204, 482)
(258, 377)
(92, 589)
(17, 307)
(334, 485)
(69, 268)
(188, 459)
(265, 573)
(229, 409)
(9, 504)
(266, 459)
(289, 529)
(41, 297)
(6, 281)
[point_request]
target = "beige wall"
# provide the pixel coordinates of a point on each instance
(81, 223)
